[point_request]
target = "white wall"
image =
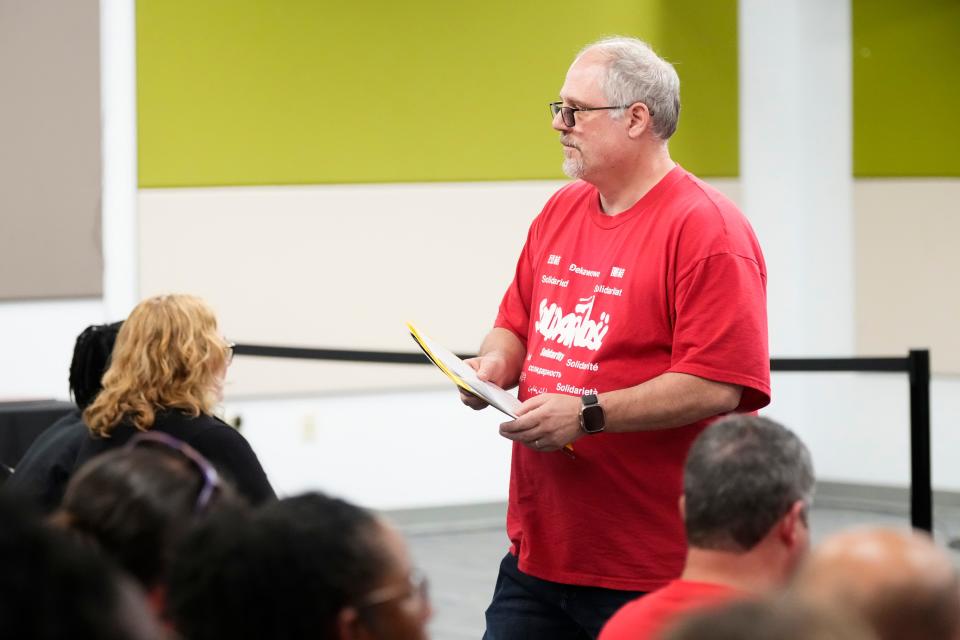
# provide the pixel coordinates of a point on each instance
(36, 344)
(796, 167)
(118, 101)
(389, 450)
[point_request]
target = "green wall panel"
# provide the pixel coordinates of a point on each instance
(906, 88)
(246, 92)
(700, 39)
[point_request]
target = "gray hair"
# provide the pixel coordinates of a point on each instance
(742, 475)
(636, 74)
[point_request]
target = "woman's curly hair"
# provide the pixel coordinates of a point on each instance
(169, 354)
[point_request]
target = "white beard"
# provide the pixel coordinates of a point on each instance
(573, 167)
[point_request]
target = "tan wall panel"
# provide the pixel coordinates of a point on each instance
(339, 267)
(908, 268)
(49, 149)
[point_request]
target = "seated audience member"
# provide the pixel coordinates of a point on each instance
(166, 375)
(748, 483)
(305, 567)
(137, 502)
(900, 582)
(42, 473)
(768, 620)
(52, 589)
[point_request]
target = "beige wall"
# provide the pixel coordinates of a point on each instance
(908, 268)
(49, 149)
(339, 267)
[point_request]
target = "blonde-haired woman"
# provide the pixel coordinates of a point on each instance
(166, 374)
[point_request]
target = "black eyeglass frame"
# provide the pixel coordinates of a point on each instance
(211, 479)
(568, 114)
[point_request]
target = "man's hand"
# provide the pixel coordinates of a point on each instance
(490, 368)
(546, 422)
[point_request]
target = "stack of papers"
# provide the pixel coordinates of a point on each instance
(463, 376)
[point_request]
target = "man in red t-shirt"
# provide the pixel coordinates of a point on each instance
(748, 482)
(636, 316)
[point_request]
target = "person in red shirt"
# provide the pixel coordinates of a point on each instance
(748, 483)
(637, 315)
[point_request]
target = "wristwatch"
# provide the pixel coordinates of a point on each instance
(592, 419)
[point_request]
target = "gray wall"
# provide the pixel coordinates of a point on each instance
(50, 169)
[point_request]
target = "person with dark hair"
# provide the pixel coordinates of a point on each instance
(901, 583)
(747, 487)
(41, 475)
(311, 566)
(137, 502)
(780, 619)
(91, 357)
(52, 589)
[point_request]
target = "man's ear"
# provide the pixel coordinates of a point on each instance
(792, 523)
(638, 119)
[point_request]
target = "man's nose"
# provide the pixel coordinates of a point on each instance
(558, 122)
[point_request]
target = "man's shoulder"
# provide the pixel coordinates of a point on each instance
(570, 200)
(646, 615)
(706, 215)
(570, 194)
(575, 187)
(696, 197)
(679, 594)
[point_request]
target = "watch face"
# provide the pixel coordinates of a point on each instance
(593, 418)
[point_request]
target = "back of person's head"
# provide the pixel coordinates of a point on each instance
(51, 588)
(91, 356)
(635, 73)
(900, 582)
(768, 620)
(310, 566)
(742, 475)
(169, 354)
(136, 502)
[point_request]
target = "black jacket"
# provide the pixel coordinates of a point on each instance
(58, 452)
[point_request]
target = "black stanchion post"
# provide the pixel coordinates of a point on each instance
(921, 491)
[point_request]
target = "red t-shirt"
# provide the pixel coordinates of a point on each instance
(645, 617)
(676, 283)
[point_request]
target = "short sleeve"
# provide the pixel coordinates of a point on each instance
(514, 312)
(720, 329)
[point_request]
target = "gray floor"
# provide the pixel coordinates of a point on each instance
(459, 548)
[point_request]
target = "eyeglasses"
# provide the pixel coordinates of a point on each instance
(231, 346)
(211, 479)
(417, 585)
(568, 114)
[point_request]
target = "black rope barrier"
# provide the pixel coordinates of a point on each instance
(916, 365)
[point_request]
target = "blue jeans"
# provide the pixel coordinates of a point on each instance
(528, 608)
